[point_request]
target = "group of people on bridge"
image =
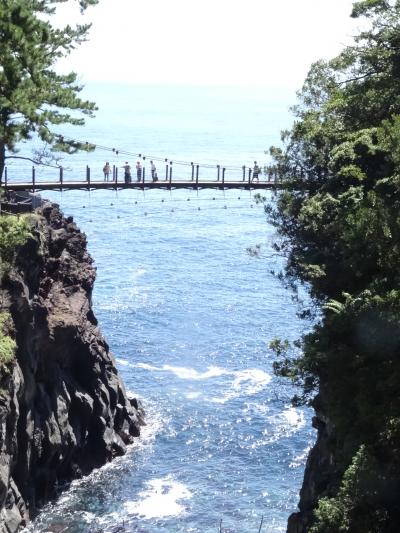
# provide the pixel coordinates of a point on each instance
(140, 172)
(128, 171)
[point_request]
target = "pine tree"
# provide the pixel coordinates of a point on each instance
(33, 96)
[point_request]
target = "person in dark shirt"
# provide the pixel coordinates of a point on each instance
(256, 172)
(138, 171)
(127, 172)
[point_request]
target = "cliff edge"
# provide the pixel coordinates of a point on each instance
(63, 408)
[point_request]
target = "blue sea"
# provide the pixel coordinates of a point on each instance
(188, 301)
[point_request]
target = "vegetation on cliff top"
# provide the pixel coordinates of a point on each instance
(7, 343)
(339, 226)
(33, 99)
(33, 96)
(14, 232)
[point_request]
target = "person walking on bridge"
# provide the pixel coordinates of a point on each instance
(127, 172)
(256, 172)
(138, 171)
(106, 171)
(153, 171)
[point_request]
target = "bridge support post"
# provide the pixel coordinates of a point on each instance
(197, 174)
(218, 169)
(170, 173)
(223, 176)
(113, 172)
(116, 175)
(249, 177)
(33, 178)
(88, 175)
(192, 170)
(166, 170)
(61, 175)
(244, 172)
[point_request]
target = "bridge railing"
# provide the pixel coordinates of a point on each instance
(169, 171)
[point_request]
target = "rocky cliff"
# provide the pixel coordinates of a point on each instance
(352, 477)
(63, 407)
(321, 476)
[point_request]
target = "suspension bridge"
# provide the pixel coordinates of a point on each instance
(142, 175)
(247, 180)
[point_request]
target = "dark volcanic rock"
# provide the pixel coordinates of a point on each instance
(63, 407)
(321, 475)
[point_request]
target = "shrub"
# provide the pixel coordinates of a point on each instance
(7, 343)
(14, 231)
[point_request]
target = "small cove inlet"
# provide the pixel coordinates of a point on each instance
(188, 313)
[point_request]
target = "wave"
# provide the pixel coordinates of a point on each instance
(67, 507)
(122, 362)
(245, 382)
(186, 373)
(160, 499)
(286, 423)
(294, 417)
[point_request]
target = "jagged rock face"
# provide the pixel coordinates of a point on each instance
(63, 407)
(321, 476)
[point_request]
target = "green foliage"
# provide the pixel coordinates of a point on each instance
(14, 231)
(339, 226)
(7, 349)
(33, 96)
(7, 343)
(358, 506)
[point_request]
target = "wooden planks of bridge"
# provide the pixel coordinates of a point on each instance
(167, 184)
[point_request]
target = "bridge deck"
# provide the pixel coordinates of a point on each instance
(177, 184)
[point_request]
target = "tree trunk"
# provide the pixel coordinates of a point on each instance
(2, 160)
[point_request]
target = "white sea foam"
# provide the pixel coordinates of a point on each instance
(145, 366)
(255, 379)
(160, 499)
(185, 372)
(286, 423)
(155, 421)
(246, 382)
(294, 417)
(122, 362)
(243, 382)
(191, 373)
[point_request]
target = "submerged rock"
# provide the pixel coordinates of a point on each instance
(63, 407)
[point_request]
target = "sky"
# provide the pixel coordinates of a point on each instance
(268, 43)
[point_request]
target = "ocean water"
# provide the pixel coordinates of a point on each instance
(186, 297)
(209, 126)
